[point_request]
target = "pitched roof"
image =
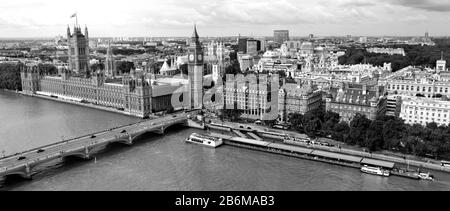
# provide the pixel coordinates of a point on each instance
(355, 94)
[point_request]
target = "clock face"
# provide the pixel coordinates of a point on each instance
(200, 57)
(191, 57)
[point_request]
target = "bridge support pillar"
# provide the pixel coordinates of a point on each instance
(130, 140)
(86, 153)
(2, 181)
(27, 172)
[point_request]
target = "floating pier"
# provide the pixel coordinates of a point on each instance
(313, 154)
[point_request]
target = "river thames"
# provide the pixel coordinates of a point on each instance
(165, 162)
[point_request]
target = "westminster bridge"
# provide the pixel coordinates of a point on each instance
(24, 163)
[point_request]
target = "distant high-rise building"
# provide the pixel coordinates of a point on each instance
(427, 35)
(78, 50)
(253, 46)
(280, 36)
(249, 46)
(311, 36)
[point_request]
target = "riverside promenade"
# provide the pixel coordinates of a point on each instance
(281, 134)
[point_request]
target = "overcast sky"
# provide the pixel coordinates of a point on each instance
(48, 18)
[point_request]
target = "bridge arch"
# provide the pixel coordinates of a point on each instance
(165, 127)
(125, 141)
(158, 130)
(77, 154)
(22, 173)
(130, 140)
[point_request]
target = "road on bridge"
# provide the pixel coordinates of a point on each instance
(58, 149)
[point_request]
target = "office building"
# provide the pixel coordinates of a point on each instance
(280, 36)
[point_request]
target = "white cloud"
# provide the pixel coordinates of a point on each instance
(222, 17)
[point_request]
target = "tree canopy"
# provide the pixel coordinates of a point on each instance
(383, 133)
(416, 55)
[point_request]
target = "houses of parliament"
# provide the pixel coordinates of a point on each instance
(135, 94)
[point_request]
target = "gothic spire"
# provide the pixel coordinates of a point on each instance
(195, 36)
(86, 33)
(68, 31)
(108, 51)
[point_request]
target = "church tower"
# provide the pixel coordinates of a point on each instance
(441, 64)
(110, 63)
(78, 50)
(195, 72)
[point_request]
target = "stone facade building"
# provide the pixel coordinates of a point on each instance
(421, 111)
(78, 50)
(133, 94)
(426, 87)
(298, 98)
(350, 99)
(255, 99)
(249, 97)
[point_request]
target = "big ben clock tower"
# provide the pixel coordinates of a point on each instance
(195, 72)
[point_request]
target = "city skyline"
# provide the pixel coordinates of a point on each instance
(173, 18)
(367, 106)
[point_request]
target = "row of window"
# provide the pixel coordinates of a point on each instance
(349, 107)
(411, 121)
(417, 88)
(427, 118)
(428, 104)
(426, 109)
(428, 114)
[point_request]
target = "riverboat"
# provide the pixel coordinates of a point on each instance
(426, 176)
(375, 171)
(205, 140)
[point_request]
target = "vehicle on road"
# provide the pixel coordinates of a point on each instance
(22, 158)
(445, 163)
(40, 151)
(93, 136)
(123, 131)
(282, 127)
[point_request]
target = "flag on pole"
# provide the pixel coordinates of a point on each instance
(74, 15)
